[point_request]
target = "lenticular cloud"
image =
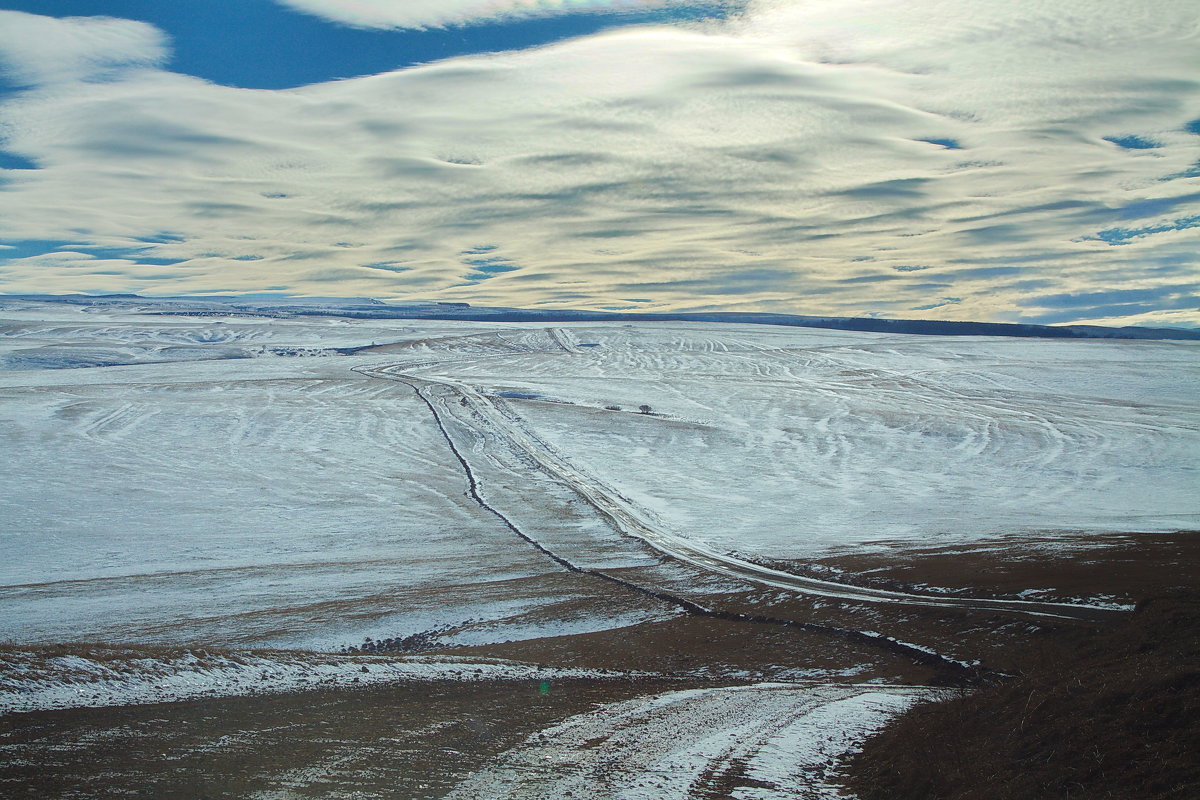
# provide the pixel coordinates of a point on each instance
(1033, 164)
(439, 13)
(37, 50)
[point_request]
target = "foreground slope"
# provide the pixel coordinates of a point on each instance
(1114, 715)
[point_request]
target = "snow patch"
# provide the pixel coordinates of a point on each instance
(30, 681)
(768, 740)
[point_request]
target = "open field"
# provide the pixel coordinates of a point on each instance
(225, 540)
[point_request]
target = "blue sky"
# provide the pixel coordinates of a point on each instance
(261, 44)
(934, 159)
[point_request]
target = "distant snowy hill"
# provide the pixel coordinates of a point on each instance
(366, 308)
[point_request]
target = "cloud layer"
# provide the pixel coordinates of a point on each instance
(439, 13)
(36, 49)
(965, 160)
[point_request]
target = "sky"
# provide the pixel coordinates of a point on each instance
(1009, 161)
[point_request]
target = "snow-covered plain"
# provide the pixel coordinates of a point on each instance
(236, 481)
(273, 500)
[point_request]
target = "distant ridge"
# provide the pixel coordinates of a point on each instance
(365, 308)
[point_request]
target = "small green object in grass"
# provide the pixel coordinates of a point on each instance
(544, 688)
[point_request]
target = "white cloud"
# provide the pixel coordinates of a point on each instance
(440, 13)
(36, 49)
(789, 161)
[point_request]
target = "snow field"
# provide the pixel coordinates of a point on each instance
(790, 444)
(289, 501)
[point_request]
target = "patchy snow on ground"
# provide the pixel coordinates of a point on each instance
(758, 742)
(32, 681)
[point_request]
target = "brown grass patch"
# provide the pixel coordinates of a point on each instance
(1105, 715)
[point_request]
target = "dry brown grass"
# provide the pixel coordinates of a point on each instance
(1106, 715)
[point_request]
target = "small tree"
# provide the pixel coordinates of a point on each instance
(645, 409)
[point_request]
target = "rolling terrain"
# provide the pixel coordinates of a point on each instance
(789, 534)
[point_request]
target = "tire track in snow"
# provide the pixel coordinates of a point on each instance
(769, 741)
(563, 339)
(625, 517)
(916, 653)
(621, 512)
